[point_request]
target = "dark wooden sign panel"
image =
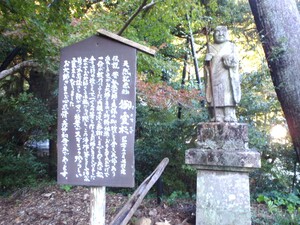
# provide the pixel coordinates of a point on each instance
(96, 119)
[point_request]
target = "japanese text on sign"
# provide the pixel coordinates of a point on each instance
(97, 117)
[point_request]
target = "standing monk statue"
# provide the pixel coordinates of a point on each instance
(222, 79)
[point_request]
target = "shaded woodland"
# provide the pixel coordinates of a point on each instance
(170, 90)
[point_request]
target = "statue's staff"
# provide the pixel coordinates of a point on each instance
(211, 80)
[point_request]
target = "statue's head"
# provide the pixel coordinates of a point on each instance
(221, 34)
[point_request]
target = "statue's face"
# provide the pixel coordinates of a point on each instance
(220, 35)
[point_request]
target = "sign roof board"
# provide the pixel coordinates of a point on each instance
(123, 40)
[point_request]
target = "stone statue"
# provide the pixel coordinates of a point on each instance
(222, 80)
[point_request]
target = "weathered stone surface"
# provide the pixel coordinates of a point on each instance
(223, 162)
(223, 198)
(222, 78)
(227, 136)
(208, 159)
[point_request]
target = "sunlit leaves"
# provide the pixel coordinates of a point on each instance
(39, 27)
(260, 104)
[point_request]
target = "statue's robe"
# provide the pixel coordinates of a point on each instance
(225, 76)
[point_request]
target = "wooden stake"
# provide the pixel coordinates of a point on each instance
(97, 205)
(125, 214)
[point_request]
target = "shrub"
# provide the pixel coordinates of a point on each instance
(24, 118)
(161, 134)
(18, 170)
(285, 206)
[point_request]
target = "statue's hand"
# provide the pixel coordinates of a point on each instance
(209, 56)
(229, 61)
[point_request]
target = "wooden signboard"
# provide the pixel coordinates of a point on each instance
(96, 119)
(96, 116)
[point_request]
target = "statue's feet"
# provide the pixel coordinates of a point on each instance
(217, 119)
(230, 119)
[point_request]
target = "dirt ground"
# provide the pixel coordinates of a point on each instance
(51, 205)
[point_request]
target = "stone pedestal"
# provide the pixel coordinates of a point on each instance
(223, 162)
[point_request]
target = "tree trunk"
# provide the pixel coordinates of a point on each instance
(52, 165)
(278, 23)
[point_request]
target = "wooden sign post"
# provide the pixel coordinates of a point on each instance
(96, 118)
(97, 205)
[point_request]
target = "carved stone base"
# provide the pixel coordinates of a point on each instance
(227, 136)
(223, 162)
(219, 159)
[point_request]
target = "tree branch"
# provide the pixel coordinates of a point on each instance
(132, 17)
(9, 58)
(17, 67)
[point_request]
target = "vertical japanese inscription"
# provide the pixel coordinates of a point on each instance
(97, 119)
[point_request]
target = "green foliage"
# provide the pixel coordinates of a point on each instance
(278, 203)
(259, 106)
(160, 134)
(23, 118)
(66, 187)
(278, 162)
(176, 195)
(34, 25)
(41, 28)
(261, 110)
(18, 170)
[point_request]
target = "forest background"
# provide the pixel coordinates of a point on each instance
(170, 89)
